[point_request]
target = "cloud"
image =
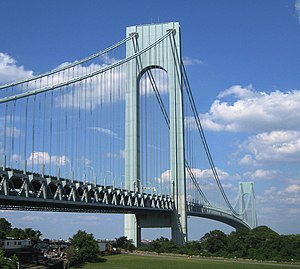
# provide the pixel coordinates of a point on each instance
(39, 158)
(199, 174)
(248, 160)
(10, 131)
(191, 61)
(119, 155)
(99, 90)
(239, 92)
(293, 188)
(165, 177)
(31, 218)
(275, 206)
(106, 88)
(10, 71)
(287, 197)
(297, 8)
(107, 59)
(104, 131)
(205, 174)
(276, 146)
(261, 174)
(242, 109)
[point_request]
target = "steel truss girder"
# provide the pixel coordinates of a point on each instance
(20, 191)
(227, 217)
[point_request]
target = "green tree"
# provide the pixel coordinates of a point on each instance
(16, 233)
(83, 248)
(215, 242)
(193, 248)
(27, 233)
(164, 245)
(267, 243)
(238, 243)
(5, 227)
(8, 263)
(32, 234)
(125, 243)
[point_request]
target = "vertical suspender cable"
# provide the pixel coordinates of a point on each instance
(14, 127)
(44, 129)
(25, 137)
(73, 130)
(38, 134)
(98, 124)
(51, 133)
(4, 136)
(105, 105)
(112, 119)
(33, 131)
(10, 135)
(85, 129)
(66, 129)
(44, 133)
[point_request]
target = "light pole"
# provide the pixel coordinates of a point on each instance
(65, 162)
(122, 181)
(112, 177)
(93, 174)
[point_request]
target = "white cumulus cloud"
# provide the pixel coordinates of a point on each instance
(261, 174)
(39, 158)
(294, 188)
(241, 109)
(191, 61)
(10, 71)
(276, 146)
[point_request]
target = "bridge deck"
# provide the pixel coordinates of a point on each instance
(26, 191)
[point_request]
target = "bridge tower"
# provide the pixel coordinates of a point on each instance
(144, 36)
(246, 200)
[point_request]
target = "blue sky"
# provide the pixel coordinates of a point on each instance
(243, 62)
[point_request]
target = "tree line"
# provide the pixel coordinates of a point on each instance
(7, 231)
(261, 243)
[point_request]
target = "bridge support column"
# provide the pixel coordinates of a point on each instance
(170, 61)
(132, 229)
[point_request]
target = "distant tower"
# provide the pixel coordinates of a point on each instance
(147, 34)
(246, 201)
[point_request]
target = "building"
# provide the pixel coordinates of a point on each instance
(12, 243)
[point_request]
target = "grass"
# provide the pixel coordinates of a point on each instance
(129, 261)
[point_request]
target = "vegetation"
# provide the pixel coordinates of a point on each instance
(124, 243)
(6, 230)
(5, 227)
(175, 262)
(8, 263)
(83, 248)
(261, 243)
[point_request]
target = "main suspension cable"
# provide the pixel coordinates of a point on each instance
(93, 56)
(80, 78)
(199, 125)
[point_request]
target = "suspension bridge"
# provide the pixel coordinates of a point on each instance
(116, 132)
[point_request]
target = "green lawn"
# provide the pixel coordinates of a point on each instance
(130, 261)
